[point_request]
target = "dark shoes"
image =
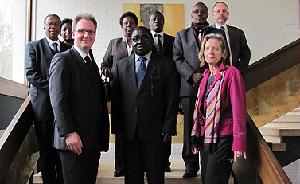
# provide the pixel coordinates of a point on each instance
(189, 174)
(119, 173)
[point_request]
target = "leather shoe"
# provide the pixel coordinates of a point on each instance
(189, 174)
(119, 173)
(168, 169)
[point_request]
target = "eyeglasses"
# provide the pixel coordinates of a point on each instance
(83, 31)
(220, 11)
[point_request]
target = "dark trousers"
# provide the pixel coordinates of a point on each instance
(216, 162)
(245, 171)
(191, 160)
(49, 163)
(140, 157)
(119, 154)
(79, 169)
(167, 152)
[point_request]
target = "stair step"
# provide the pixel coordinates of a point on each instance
(279, 147)
(106, 169)
(268, 131)
(272, 139)
(37, 179)
(293, 113)
(288, 118)
(286, 125)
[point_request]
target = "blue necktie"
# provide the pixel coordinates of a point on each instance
(141, 70)
(55, 47)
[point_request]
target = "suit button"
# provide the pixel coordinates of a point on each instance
(136, 110)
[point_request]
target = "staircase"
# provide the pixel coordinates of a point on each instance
(287, 125)
(282, 135)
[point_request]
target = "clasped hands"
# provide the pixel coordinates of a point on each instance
(106, 72)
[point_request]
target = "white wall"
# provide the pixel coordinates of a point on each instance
(268, 25)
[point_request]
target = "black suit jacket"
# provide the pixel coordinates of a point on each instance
(168, 45)
(150, 111)
(78, 101)
(38, 56)
(240, 51)
(185, 54)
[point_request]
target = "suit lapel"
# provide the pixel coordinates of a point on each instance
(121, 48)
(150, 70)
(48, 54)
(165, 43)
(78, 59)
(130, 68)
(193, 37)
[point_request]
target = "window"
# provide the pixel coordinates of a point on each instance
(12, 39)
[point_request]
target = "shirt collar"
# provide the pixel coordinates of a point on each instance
(51, 41)
(153, 33)
(136, 57)
(218, 26)
(82, 54)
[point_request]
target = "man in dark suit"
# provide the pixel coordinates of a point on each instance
(244, 170)
(239, 51)
(145, 92)
(187, 45)
(38, 56)
(78, 99)
(118, 49)
(163, 44)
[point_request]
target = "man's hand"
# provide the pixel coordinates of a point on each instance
(74, 143)
(106, 72)
(196, 78)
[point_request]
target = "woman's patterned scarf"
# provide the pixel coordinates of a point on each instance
(212, 118)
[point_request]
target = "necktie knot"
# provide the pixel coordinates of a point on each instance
(87, 59)
(142, 59)
(157, 35)
(55, 49)
(222, 28)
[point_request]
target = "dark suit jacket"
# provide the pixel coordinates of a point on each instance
(78, 101)
(185, 55)
(116, 50)
(38, 56)
(150, 111)
(240, 51)
(168, 45)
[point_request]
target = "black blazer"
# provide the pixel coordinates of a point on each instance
(240, 51)
(38, 56)
(168, 45)
(185, 55)
(150, 111)
(78, 101)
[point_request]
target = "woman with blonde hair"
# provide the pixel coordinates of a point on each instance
(219, 130)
